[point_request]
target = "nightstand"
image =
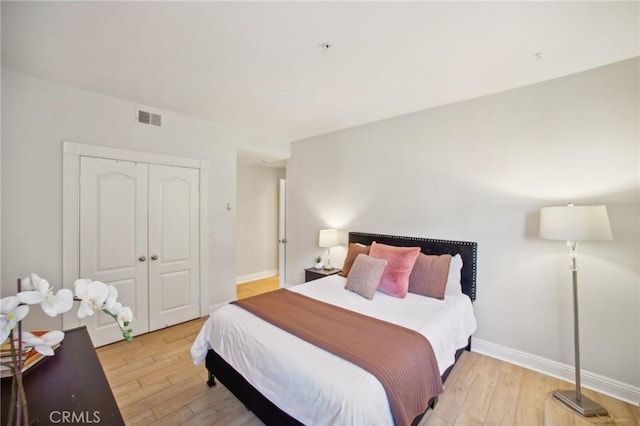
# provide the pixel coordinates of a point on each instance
(311, 274)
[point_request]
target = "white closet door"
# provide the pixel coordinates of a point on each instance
(174, 278)
(113, 239)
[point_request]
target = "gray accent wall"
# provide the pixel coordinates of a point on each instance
(480, 170)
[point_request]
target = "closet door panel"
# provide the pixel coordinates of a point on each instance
(174, 280)
(113, 237)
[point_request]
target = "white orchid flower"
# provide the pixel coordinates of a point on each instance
(112, 299)
(52, 304)
(28, 282)
(11, 311)
(119, 313)
(59, 304)
(31, 287)
(43, 344)
(81, 287)
(125, 316)
(92, 295)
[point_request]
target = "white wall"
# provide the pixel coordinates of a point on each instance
(257, 221)
(479, 171)
(37, 116)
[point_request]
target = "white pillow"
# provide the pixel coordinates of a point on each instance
(453, 287)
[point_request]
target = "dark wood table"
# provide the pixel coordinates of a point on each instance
(311, 274)
(71, 385)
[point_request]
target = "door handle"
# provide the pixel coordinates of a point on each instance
(154, 257)
(283, 241)
(142, 258)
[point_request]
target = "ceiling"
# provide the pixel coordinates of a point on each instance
(261, 67)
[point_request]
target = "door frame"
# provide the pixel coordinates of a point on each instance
(282, 232)
(71, 153)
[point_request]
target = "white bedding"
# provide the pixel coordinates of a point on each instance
(315, 386)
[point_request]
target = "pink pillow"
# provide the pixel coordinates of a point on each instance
(400, 260)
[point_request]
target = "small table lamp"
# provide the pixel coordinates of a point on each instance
(328, 238)
(572, 224)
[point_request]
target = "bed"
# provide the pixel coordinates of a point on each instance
(284, 380)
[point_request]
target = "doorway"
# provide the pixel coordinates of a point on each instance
(260, 220)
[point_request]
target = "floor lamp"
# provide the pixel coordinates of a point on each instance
(572, 224)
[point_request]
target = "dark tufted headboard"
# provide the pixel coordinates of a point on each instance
(467, 250)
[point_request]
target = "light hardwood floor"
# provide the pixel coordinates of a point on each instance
(486, 391)
(155, 383)
(253, 288)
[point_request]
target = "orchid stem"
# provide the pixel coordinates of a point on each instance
(12, 399)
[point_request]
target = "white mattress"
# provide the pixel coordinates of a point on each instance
(315, 386)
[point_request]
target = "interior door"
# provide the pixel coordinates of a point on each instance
(174, 265)
(282, 235)
(113, 239)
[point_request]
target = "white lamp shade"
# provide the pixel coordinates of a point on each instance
(575, 223)
(328, 238)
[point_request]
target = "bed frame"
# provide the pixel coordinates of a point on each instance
(268, 412)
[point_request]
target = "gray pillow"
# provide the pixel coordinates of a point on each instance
(365, 275)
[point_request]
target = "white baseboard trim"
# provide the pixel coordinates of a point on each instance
(256, 276)
(593, 381)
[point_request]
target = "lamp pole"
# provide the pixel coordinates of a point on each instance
(576, 323)
(575, 400)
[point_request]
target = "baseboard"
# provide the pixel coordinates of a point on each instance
(256, 276)
(605, 385)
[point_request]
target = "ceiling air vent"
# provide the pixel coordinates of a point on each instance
(145, 117)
